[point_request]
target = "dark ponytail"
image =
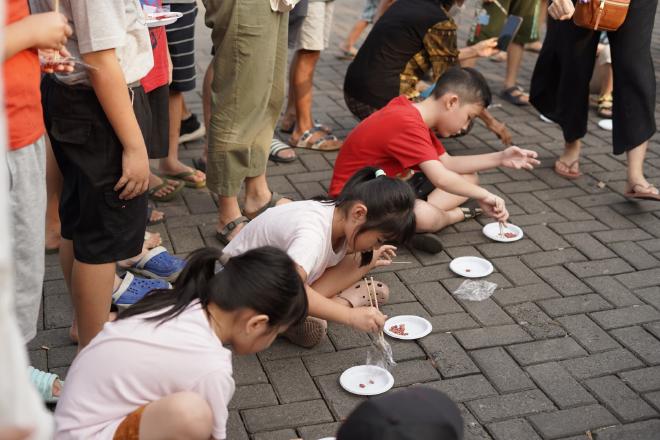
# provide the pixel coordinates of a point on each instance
(390, 205)
(263, 279)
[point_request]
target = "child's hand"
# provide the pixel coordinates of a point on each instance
(494, 207)
(486, 48)
(517, 158)
(383, 255)
(50, 30)
(561, 9)
(53, 61)
(135, 173)
(367, 319)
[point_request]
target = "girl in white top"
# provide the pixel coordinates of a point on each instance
(161, 370)
(334, 244)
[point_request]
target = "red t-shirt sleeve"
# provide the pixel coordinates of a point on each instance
(414, 145)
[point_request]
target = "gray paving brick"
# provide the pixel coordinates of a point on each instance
(492, 336)
(552, 258)
(546, 350)
(319, 431)
(286, 416)
(487, 312)
(514, 187)
(282, 434)
(291, 381)
(653, 399)
(514, 429)
(593, 338)
(644, 379)
(410, 308)
(554, 194)
(613, 291)
(635, 254)
(600, 364)
(651, 295)
(612, 266)
(452, 321)
(58, 337)
(620, 399)
(516, 271)
(411, 372)
(282, 349)
(344, 337)
(464, 388)
(185, 239)
(650, 245)
(253, 396)
(463, 239)
(235, 428)
(510, 405)
(563, 281)
(622, 235)
(435, 298)
(654, 328)
(536, 219)
(501, 370)
(610, 217)
(545, 238)
(340, 402)
(450, 359)
(58, 311)
(609, 319)
(639, 279)
(648, 222)
(472, 429)
(56, 287)
(572, 421)
(334, 362)
(61, 356)
(517, 295)
(529, 203)
(535, 322)
(647, 430)
(575, 227)
(640, 342)
(570, 210)
(574, 305)
(247, 370)
(492, 250)
(399, 292)
(38, 359)
(560, 386)
(589, 246)
(425, 274)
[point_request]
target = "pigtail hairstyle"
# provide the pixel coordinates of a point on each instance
(263, 279)
(390, 205)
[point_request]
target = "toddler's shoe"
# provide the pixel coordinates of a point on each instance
(132, 289)
(308, 333)
(159, 264)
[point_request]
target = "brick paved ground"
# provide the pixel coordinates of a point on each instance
(569, 343)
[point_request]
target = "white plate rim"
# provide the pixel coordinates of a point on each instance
(451, 263)
(151, 22)
(390, 381)
(389, 323)
(504, 239)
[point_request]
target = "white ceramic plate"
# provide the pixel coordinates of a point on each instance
(471, 267)
(351, 379)
(416, 326)
(164, 18)
(492, 231)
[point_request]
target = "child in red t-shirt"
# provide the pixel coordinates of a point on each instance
(401, 139)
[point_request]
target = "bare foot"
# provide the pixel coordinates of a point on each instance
(152, 239)
(172, 185)
(287, 122)
(156, 216)
(172, 169)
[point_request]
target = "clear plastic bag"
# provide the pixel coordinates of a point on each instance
(475, 290)
(380, 353)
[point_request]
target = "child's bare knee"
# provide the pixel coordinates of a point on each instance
(194, 414)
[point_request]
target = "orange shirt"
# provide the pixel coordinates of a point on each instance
(22, 75)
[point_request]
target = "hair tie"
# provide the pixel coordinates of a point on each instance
(380, 173)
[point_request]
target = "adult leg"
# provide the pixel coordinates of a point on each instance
(183, 415)
(53, 190)
(348, 45)
(302, 82)
(513, 60)
(91, 286)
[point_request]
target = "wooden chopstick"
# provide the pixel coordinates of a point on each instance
(373, 285)
(499, 5)
(57, 5)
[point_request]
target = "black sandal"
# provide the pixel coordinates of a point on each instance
(469, 213)
(508, 96)
(223, 236)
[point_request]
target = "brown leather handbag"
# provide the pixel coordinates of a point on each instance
(600, 15)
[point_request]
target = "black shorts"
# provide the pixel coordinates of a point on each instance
(181, 42)
(103, 228)
(421, 185)
(158, 137)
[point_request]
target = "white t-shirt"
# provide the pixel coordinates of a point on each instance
(133, 362)
(100, 25)
(302, 229)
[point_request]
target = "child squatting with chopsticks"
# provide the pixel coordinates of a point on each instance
(334, 244)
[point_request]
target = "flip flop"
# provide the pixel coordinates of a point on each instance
(182, 176)
(274, 198)
(159, 264)
(358, 294)
(508, 96)
(633, 194)
(328, 142)
(132, 289)
(223, 236)
(317, 125)
(567, 174)
(277, 146)
(43, 382)
(167, 197)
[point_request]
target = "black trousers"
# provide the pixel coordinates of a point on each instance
(560, 83)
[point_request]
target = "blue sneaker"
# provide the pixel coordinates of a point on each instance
(159, 264)
(132, 289)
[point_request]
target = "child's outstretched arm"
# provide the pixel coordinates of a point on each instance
(110, 86)
(512, 157)
(40, 31)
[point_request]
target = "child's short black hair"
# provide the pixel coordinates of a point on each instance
(470, 86)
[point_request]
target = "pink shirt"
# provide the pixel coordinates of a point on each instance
(132, 363)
